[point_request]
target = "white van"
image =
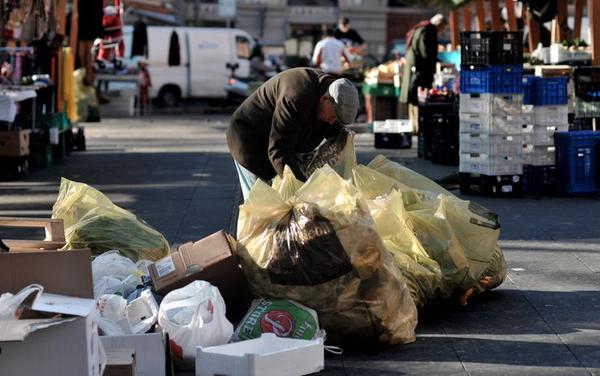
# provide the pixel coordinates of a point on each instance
(204, 55)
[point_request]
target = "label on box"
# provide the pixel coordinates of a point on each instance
(164, 266)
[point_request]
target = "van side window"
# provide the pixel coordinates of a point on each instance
(242, 46)
(174, 50)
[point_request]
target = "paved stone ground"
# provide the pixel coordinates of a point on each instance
(545, 319)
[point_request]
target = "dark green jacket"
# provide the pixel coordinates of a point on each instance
(279, 121)
(422, 55)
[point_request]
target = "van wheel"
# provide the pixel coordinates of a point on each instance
(169, 96)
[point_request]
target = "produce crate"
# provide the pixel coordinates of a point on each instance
(585, 109)
(497, 47)
(538, 155)
(528, 89)
(528, 114)
(543, 91)
(500, 79)
(577, 162)
(486, 164)
(541, 135)
(495, 104)
(494, 186)
(587, 83)
(486, 123)
(557, 115)
(550, 90)
(539, 180)
(443, 143)
(485, 143)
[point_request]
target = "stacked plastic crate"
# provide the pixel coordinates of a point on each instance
(545, 111)
(578, 152)
(587, 92)
(438, 128)
(490, 113)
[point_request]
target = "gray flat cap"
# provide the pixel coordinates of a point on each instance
(345, 99)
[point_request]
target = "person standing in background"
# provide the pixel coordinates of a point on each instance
(328, 54)
(350, 37)
(421, 59)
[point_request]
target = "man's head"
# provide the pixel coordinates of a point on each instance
(344, 24)
(329, 32)
(339, 103)
(439, 21)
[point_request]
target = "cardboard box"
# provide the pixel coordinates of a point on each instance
(65, 273)
(210, 259)
(150, 356)
(64, 346)
(120, 362)
(14, 143)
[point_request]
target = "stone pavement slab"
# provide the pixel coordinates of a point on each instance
(175, 172)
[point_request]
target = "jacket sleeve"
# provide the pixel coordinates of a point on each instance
(285, 132)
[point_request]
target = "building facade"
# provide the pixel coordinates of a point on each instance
(297, 25)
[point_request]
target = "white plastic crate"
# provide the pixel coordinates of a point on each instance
(268, 355)
(551, 115)
(541, 135)
(528, 114)
(488, 165)
(495, 104)
(538, 155)
(486, 143)
(392, 126)
(486, 123)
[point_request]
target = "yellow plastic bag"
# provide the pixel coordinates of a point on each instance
(461, 236)
(337, 152)
(423, 275)
(320, 248)
(93, 221)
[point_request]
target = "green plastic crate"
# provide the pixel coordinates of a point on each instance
(380, 90)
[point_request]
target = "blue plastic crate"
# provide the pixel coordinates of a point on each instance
(577, 162)
(550, 90)
(498, 79)
(528, 90)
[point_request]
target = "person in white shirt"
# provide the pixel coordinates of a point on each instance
(328, 54)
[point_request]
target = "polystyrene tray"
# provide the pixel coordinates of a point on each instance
(268, 355)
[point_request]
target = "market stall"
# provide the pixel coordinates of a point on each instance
(37, 85)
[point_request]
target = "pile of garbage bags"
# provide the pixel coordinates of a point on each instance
(93, 221)
(368, 251)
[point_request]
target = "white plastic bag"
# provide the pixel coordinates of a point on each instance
(194, 316)
(10, 304)
(114, 274)
(116, 317)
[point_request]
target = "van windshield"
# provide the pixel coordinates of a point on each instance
(242, 46)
